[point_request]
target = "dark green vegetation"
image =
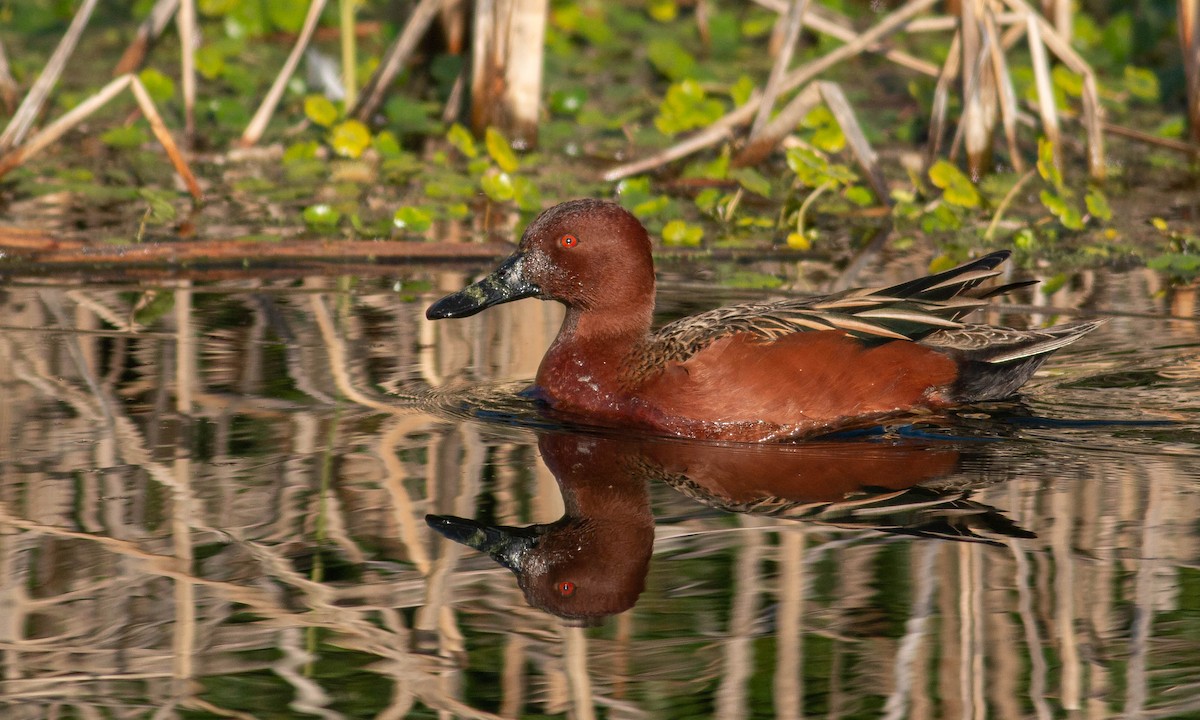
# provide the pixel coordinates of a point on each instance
(622, 81)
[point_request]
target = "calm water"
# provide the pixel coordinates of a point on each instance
(213, 501)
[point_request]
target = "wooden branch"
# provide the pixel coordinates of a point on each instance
(792, 23)
(8, 86)
(35, 99)
(56, 129)
(164, 137)
(1045, 88)
(837, 103)
(45, 249)
(941, 102)
(149, 31)
(185, 22)
(780, 127)
(398, 54)
(1004, 87)
(258, 124)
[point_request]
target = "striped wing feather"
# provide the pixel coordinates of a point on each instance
(909, 311)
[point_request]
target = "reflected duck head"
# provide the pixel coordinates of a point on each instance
(587, 254)
(593, 561)
(568, 568)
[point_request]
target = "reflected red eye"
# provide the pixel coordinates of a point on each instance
(568, 241)
(566, 588)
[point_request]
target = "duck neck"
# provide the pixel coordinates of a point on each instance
(592, 351)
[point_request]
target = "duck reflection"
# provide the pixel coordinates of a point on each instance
(593, 561)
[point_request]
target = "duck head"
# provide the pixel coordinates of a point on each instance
(586, 254)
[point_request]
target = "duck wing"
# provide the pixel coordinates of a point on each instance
(909, 311)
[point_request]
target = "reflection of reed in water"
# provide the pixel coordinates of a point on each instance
(267, 534)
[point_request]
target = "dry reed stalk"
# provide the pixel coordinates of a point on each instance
(56, 129)
(946, 23)
(452, 16)
(1045, 88)
(840, 107)
(1009, 107)
(720, 130)
(791, 24)
(723, 127)
(185, 21)
(1092, 112)
(149, 31)
(393, 62)
(164, 137)
(1192, 149)
(977, 126)
(828, 22)
(506, 71)
(349, 51)
(23, 119)
(780, 127)
(1189, 45)
(941, 100)
(8, 86)
(258, 124)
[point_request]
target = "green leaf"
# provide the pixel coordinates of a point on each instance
(753, 181)
(679, 232)
(1053, 284)
(669, 58)
(569, 101)
(501, 151)
(662, 10)
(386, 144)
(125, 137)
(686, 106)
(1067, 81)
(715, 169)
(859, 195)
(1179, 264)
(750, 280)
(161, 209)
(498, 186)
(741, 90)
(1066, 213)
(287, 15)
(412, 219)
(799, 241)
(829, 138)
(1097, 205)
(321, 216)
(299, 151)
(461, 139)
(210, 62)
(957, 188)
(1141, 83)
(349, 138)
(527, 194)
(160, 87)
(1045, 164)
(320, 110)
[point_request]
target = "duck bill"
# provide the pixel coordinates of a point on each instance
(505, 284)
(506, 545)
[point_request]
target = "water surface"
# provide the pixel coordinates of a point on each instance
(213, 501)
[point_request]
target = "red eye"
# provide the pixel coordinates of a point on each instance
(566, 588)
(568, 241)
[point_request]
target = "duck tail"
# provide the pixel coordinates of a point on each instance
(953, 282)
(997, 368)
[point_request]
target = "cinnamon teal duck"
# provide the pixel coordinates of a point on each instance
(757, 371)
